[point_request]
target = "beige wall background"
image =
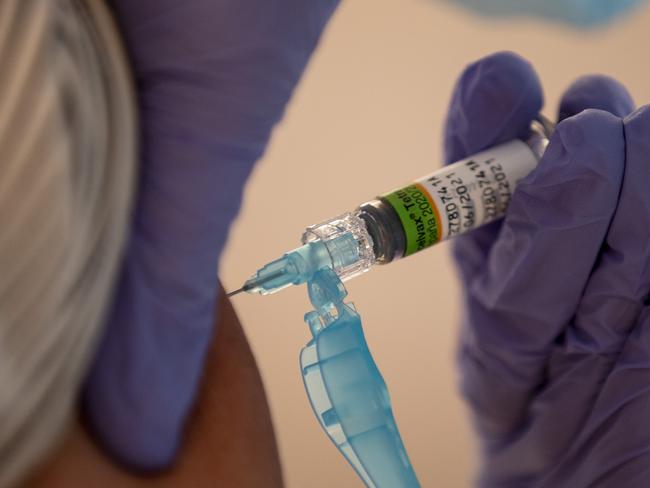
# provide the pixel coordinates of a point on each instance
(367, 117)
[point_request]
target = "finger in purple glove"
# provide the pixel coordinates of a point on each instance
(521, 301)
(574, 371)
(537, 269)
(606, 348)
(213, 78)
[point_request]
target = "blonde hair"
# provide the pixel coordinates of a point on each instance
(67, 157)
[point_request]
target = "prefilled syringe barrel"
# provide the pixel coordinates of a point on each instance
(450, 201)
(461, 196)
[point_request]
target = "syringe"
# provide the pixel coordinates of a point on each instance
(342, 244)
(451, 201)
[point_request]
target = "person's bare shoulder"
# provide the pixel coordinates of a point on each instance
(229, 440)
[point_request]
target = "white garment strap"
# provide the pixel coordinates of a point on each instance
(67, 159)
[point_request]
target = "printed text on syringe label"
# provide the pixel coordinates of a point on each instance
(461, 196)
(476, 190)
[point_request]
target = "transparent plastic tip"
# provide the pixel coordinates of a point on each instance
(341, 244)
(347, 262)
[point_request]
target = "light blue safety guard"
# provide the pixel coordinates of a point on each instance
(347, 391)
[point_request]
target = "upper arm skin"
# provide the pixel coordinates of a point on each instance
(229, 440)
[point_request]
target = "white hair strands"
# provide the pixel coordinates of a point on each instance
(67, 159)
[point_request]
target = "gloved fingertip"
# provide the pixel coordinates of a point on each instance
(586, 154)
(138, 436)
(143, 383)
(638, 123)
(637, 142)
(136, 448)
(595, 91)
(494, 101)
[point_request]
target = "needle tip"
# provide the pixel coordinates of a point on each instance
(233, 293)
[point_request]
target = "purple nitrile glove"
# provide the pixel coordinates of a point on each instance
(213, 78)
(555, 348)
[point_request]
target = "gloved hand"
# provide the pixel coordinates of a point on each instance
(576, 12)
(555, 347)
(213, 78)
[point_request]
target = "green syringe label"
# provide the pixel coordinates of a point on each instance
(462, 196)
(419, 216)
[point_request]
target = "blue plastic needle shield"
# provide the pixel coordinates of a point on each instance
(346, 389)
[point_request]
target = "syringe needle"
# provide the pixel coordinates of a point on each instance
(265, 280)
(233, 293)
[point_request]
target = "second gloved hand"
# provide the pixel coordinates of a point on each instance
(213, 78)
(555, 347)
